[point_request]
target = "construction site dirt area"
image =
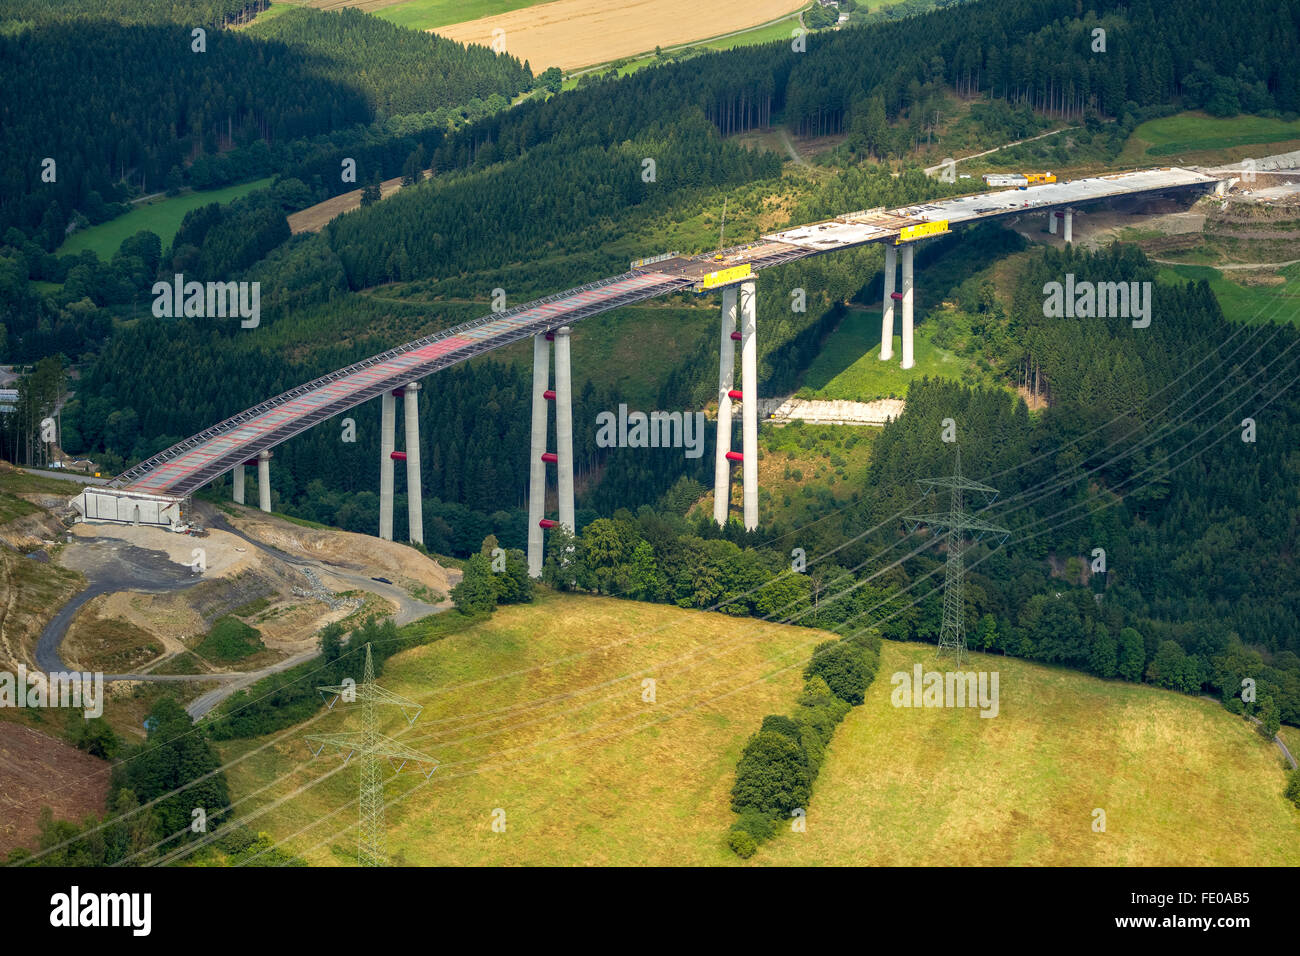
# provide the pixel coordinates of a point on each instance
(146, 603)
(37, 771)
(577, 33)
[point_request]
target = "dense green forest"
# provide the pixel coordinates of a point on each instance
(1139, 454)
(402, 71)
(207, 13)
(550, 193)
(176, 117)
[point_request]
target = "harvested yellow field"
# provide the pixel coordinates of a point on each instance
(317, 217)
(576, 33)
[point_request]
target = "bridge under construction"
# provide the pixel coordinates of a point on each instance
(153, 491)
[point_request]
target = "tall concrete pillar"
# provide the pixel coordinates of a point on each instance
(387, 421)
(564, 428)
(536, 466)
(749, 403)
(1069, 225)
(909, 355)
(414, 500)
(726, 384)
(237, 475)
(887, 306)
(264, 481)
(1051, 221)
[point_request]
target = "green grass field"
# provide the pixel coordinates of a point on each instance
(539, 713)
(426, 14)
(1198, 137)
(1182, 782)
(162, 217)
(1245, 303)
(849, 365)
(592, 775)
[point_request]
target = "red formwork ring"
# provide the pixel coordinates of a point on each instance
(399, 392)
(735, 456)
(736, 393)
(896, 296)
(549, 395)
(397, 455)
(550, 456)
(735, 336)
(547, 523)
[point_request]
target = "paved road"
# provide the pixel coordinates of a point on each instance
(109, 565)
(931, 170)
(68, 476)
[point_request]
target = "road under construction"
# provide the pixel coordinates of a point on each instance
(154, 491)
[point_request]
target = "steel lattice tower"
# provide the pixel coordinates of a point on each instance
(372, 745)
(952, 634)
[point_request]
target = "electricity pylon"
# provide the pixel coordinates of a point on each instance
(952, 635)
(372, 745)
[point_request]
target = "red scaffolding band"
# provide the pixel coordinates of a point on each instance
(549, 395)
(736, 336)
(735, 456)
(736, 393)
(550, 336)
(550, 456)
(397, 455)
(896, 296)
(547, 523)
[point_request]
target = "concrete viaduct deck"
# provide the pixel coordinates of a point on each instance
(247, 437)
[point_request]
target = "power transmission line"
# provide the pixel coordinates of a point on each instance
(371, 745)
(952, 635)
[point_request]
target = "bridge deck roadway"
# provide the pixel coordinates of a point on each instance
(192, 463)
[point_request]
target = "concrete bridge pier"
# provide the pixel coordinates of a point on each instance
(887, 306)
(564, 428)
(387, 422)
(414, 499)
(1051, 221)
(237, 476)
(263, 480)
(1069, 225)
(539, 458)
(909, 357)
(536, 464)
(726, 391)
(749, 403)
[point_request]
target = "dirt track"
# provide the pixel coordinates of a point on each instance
(574, 33)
